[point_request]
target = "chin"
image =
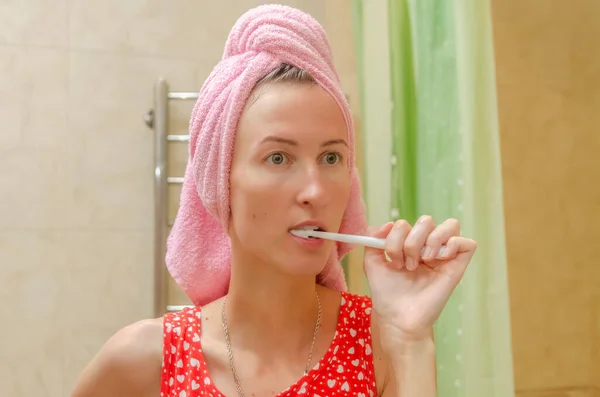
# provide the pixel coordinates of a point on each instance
(304, 263)
(302, 268)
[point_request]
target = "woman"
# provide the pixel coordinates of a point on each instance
(271, 150)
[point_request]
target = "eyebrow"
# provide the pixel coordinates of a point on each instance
(290, 142)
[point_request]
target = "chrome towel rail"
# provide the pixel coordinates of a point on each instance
(178, 138)
(157, 118)
(182, 95)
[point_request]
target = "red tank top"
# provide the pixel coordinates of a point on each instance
(346, 369)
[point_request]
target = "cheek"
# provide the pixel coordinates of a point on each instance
(339, 194)
(338, 186)
(254, 204)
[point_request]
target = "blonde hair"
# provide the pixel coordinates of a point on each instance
(285, 73)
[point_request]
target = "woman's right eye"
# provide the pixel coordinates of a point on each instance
(277, 158)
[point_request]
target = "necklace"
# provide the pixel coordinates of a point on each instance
(238, 384)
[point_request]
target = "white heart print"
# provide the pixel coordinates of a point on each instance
(194, 362)
(206, 381)
(180, 378)
(355, 362)
(173, 349)
(179, 364)
(177, 330)
(183, 394)
(302, 388)
(340, 369)
(186, 345)
(195, 385)
(368, 349)
(352, 332)
(196, 338)
(351, 350)
(360, 376)
(361, 395)
(352, 314)
(368, 310)
(331, 382)
(171, 382)
(361, 341)
(346, 386)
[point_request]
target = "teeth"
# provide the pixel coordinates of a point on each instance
(309, 227)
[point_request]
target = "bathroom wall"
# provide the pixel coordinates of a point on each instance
(548, 67)
(76, 221)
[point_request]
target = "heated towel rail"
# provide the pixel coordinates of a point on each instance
(157, 118)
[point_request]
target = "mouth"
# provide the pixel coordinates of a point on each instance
(313, 228)
(306, 226)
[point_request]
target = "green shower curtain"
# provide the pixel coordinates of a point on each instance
(446, 163)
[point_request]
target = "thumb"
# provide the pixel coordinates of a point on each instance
(382, 232)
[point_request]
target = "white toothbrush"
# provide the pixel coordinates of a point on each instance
(366, 241)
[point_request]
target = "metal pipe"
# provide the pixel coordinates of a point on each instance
(182, 95)
(160, 124)
(175, 180)
(178, 138)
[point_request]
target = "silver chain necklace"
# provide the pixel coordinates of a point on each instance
(238, 384)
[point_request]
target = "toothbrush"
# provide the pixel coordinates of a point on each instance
(366, 241)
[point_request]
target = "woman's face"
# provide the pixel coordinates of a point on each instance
(290, 168)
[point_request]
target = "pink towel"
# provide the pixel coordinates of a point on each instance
(198, 254)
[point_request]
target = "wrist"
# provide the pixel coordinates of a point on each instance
(413, 350)
(409, 349)
(394, 341)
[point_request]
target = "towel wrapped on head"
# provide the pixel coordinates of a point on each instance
(198, 248)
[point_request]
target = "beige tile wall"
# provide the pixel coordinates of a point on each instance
(76, 78)
(548, 65)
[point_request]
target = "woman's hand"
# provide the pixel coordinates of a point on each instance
(410, 291)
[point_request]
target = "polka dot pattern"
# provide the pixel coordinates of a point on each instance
(345, 370)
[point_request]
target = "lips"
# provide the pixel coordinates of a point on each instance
(309, 243)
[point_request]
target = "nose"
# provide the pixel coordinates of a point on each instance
(312, 191)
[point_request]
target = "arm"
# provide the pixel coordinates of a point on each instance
(412, 371)
(411, 282)
(404, 369)
(129, 364)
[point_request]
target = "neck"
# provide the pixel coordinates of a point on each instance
(269, 308)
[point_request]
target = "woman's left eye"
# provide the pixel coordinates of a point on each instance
(332, 158)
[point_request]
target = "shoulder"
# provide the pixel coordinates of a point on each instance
(363, 307)
(129, 363)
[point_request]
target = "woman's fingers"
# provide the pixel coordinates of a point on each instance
(440, 236)
(394, 242)
(408, 245)
(415, 242)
